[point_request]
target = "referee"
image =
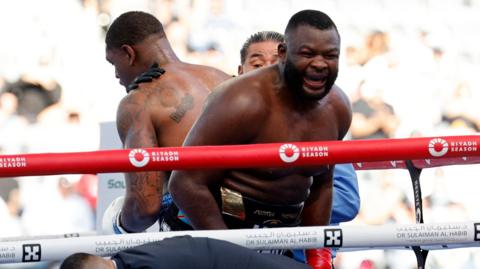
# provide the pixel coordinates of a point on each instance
(183, 252)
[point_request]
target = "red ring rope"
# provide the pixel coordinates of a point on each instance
(450, 148)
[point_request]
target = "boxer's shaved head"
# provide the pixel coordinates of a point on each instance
(131, 28)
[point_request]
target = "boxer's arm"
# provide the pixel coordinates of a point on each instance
(343, 111)
(318, 205)
(227, 119)
(143, 195)
(346, 199)
(317, 212)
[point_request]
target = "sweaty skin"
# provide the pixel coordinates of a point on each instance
(294, 100)
(156, 114)
(346, 201)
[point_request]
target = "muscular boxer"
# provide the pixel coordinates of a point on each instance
(294, 100)
(260, 50)
(153, 114)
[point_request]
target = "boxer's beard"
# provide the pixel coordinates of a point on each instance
(293, 76)
(294, 80)
(330, 81)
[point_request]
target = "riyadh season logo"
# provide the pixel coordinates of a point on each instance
(139, 157)
(438, 147)
(289, 153)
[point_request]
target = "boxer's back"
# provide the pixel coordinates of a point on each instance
(175, 101)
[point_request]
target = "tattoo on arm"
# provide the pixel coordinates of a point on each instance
(146, 188)
(132, 125)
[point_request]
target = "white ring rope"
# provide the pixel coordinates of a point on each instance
(429, 236)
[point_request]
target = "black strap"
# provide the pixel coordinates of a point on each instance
(415, 172)
(421, 255)
(417, 190)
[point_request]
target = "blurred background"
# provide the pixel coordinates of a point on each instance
(410, 68)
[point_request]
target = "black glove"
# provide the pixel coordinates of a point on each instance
(153, 72)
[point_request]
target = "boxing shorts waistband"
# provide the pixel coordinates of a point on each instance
(244, 212)
(239, 212)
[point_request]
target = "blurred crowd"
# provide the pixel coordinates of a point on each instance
(409, 67)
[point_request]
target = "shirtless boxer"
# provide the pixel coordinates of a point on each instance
(260, 50)
(294, 100)
(152, 114)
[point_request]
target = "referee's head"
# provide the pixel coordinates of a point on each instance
(86, 261)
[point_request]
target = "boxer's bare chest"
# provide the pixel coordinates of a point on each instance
(286, 125)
